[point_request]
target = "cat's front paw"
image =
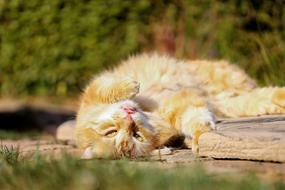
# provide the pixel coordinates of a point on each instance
(199, 121)
(129, 88)
(198, 131)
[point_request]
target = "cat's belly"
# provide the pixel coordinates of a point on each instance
(155, 96)
(160, 97)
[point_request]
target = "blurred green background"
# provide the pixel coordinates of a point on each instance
(52, 48)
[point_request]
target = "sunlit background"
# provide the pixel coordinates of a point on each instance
(52, 48)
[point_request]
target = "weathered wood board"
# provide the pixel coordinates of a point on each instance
(260, 138)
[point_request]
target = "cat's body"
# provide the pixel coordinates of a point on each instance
(148, 99)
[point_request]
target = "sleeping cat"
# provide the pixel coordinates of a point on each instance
(148, 99)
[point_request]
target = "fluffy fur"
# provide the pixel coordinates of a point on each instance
(148, 99)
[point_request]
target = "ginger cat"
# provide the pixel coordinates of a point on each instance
(148, 99)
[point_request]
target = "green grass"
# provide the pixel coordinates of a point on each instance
(9, 155)
(71, 173)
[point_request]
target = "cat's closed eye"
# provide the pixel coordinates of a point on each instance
(111, 133)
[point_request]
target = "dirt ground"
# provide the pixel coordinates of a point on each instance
(49, 147)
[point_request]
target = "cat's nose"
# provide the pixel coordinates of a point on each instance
(129, 110)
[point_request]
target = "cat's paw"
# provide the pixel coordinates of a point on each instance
(129, 88)
(197, 118)
(198, 131)
(199, 121)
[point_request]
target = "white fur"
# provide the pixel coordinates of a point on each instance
(197, 115)
(87, 154)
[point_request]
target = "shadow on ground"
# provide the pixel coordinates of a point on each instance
(29, 118)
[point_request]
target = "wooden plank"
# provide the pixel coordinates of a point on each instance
(259, 138)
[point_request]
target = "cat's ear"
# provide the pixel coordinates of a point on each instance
(165, 134)
(163, 129)
(146, 104)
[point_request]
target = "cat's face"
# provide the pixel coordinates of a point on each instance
(119, 129)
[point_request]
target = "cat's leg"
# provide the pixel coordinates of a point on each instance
(107, 89)
(260, 101)
(189, 113)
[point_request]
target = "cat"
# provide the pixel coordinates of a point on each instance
(148, 99)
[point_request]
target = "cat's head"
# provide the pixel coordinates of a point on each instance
(116, 130)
